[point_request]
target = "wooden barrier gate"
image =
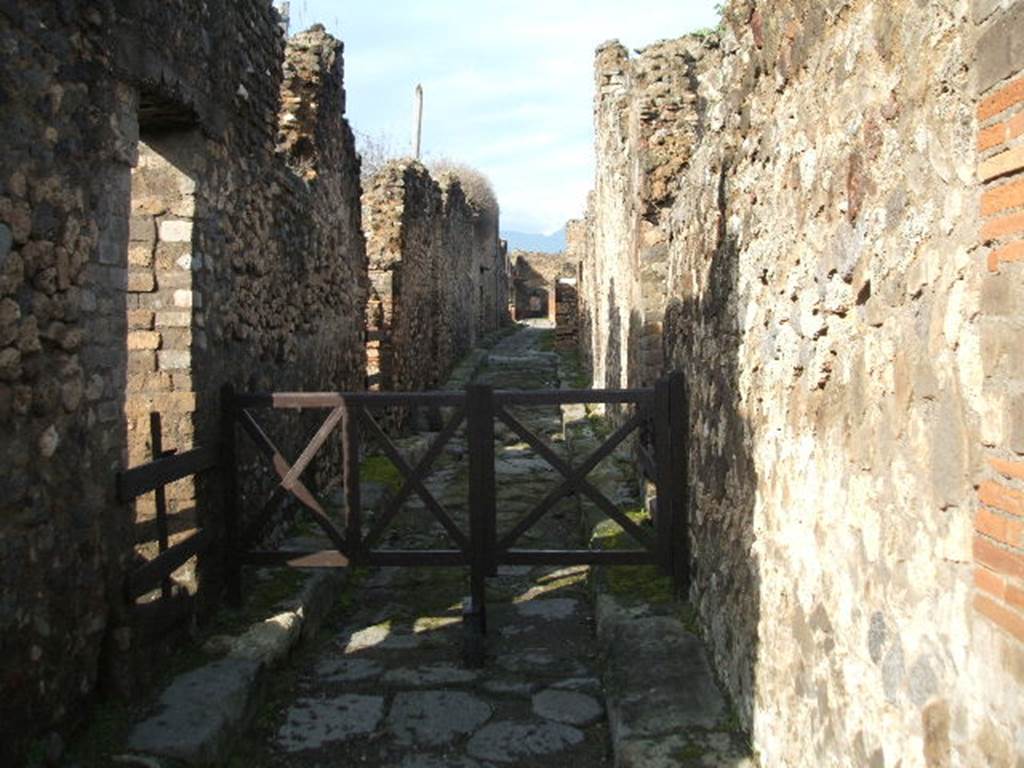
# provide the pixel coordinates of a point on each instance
(661, 410)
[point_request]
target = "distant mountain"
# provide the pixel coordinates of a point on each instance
(531, 241)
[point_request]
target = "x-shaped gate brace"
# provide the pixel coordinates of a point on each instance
(481, 549)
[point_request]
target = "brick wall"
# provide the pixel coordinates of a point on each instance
(999, 519)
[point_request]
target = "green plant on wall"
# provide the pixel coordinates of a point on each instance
(718, 28)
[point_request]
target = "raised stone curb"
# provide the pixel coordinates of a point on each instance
(202, 710)
(665, 709)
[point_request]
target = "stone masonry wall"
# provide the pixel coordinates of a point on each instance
(844, 296)
(533, 282)
(231, 253)
(645, 122)
(430, 255)
(566, 314)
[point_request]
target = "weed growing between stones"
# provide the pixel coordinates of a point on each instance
(379, 469)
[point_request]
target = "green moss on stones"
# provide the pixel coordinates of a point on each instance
(379, 469)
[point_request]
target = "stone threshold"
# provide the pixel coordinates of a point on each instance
(201, 711)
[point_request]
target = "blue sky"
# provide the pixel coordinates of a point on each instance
(508, 85)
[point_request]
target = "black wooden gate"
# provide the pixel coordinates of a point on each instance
(659, 412)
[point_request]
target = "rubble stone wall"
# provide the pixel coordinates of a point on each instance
(231, 253)
(844, 295)
(533, 282)
(432, 256)
(645, 123)
(566, 314)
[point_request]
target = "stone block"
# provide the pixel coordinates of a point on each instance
(183, 298)
(1002, 294)
(141, 282)
(141, 361)
(1000, 49)
(982, 9)
(175, 279)
(1016, 424)
(173, 359)
(140, 318)
(176, 231)
(141, 229)
(173, 319)
(140, 256)
(143, 340)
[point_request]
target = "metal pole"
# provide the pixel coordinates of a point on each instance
(418, 121)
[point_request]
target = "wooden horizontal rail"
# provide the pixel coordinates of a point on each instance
(137, 481)
(284, 400)
(148, 576)
(578, 557)
(415, 557)
(568, 396)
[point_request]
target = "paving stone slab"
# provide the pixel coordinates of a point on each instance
(311, 723)
(435, 761)
(343, 670)
(590, 685)
(570, 707)
(512, 742)
(198, 712)
(434, 718)
(548, 609)
(507, 686)
(654, 697)
(440, 673)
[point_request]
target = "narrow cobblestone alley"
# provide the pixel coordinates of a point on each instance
(388, 688)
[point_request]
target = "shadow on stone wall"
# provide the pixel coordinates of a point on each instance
(703, 339)
(532, 290)
(613, 348)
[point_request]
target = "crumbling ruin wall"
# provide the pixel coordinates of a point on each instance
(533, 282)
(429, 251)
(645, 123)
(579, 252)
(850, 330)
(224, 258)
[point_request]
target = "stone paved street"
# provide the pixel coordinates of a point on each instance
(389, 688)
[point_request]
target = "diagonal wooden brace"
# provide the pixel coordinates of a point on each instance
(582, 484)
(573, 481)
(281, 466)
(424, 464)
(413, 477)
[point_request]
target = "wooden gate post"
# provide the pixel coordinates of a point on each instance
(350, 477)
(665, 476)
(480, 438)
(679, 412)
(232, 560)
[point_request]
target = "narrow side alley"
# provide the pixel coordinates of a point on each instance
(388, 687)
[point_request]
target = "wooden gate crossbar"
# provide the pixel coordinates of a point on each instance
(661, 409)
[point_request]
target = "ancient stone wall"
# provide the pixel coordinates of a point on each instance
(645, 122)
(849, 323)
(178, 210)
(533, 282)
(433, 261)
(567, 335)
